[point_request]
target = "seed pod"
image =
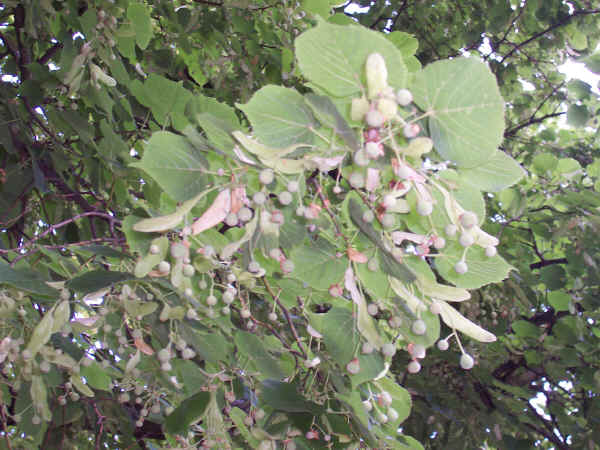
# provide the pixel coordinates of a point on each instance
(259, 198)
(439, 242)
(357, 180)
(285, 198)
(353, 366)
(231, 219)
(245, 214)
(443, 345)
(468, 219)
(266, 176)
(388, 220)
(466, 239)
(414, 367)
(404, 97)
(411, 130)
(388, 349)
(451, 230)
(375, 119)
(360, 158)
(466, 361)
(461, 267)
(374, 150)
(419, 327)
(490, 251)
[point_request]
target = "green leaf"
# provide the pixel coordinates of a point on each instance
(188, 412)
(96, 280)
(97, 377)
(251, 346)
(145, 264)
(401, 400)
(139, 15)
(279, 117)
(498, 173)
(238, 416)
(326, 112)
(577, 115)
(81, 386)
(165, 98)
(544, 163)
(371, 366)
(523, 328)
(318, 265)
(408, 46)
(333, 57)
(285, 397)
(466, 111)
(25, 280)
(554, 277)
(175, 165)
(340, 335)
(320, 7)
(560, 301)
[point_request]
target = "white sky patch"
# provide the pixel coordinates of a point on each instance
(578, 71)
(353, 8)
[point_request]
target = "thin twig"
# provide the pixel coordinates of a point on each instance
(287, 317)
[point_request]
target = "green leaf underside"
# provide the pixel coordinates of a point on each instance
(252, 347)
(498, 173)
(333, 57)
(466, 111)
(317, 265)
(285, 397)
(188, 412)
(279, 117)
(339, 333)
(175, 165)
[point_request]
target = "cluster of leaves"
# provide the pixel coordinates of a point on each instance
(345, 144)
(185, 273)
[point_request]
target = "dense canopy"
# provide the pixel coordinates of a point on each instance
(299, 224)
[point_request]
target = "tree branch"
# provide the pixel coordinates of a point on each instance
(50, 53)
(547, 262)
(532, 121)
(517, 47)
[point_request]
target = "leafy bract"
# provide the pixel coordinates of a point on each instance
(457, 321)
(333, 57)
(464, 107)
(164, 223)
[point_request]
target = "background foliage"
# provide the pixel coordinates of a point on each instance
(92, 95)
